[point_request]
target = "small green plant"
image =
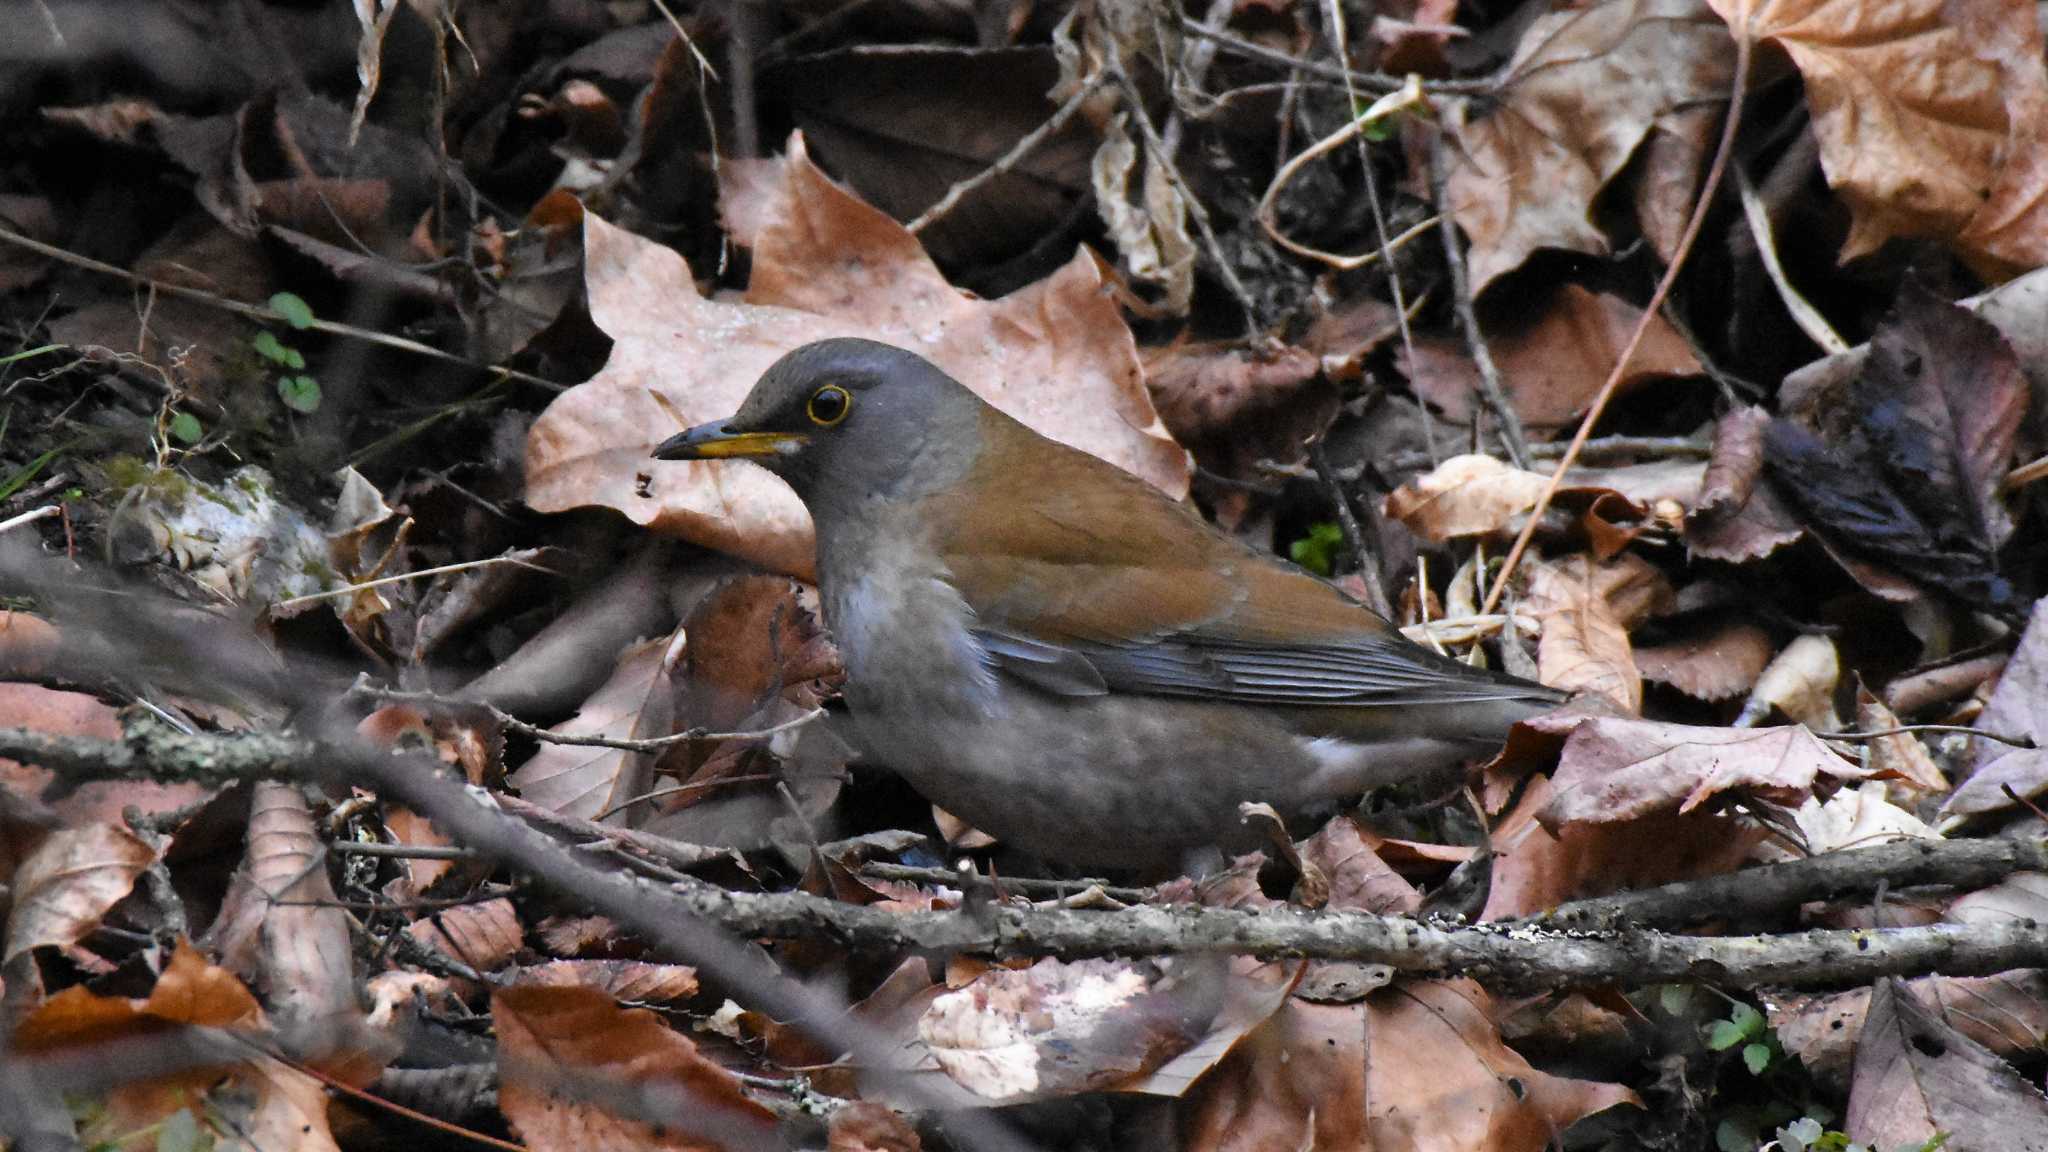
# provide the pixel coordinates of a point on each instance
(185, 428)
(1317, 551)
(297, 389)
(1808, 1134)
(1745, 1025)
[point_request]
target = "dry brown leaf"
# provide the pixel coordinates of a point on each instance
(306, 959)
(1539, 868)
(1056, 355)
(482, 936)
(1856, 818)
(77, 714)
(1710, 666)
(1464, 496)
(1900, 756)
(635, 980)
(1587, 609)
(1554, 353)
(581, 1074)
(1799, 682)
(1909, 115)
(865, 1126)
(1615, 768)
(69, 883)
(1916, 1076)
(1419, 1067)
(2021, 898)
(637, 703)
(1233, 407)
(1062, 1027)
(2007, 1013)
(2009, 233)
(260, 1098)
(1584, 88)
(1738, 517)
(1359, 880)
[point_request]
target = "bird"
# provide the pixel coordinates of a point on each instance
(1063, 656)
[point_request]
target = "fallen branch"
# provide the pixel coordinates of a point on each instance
(679, 918)
(1775, 888)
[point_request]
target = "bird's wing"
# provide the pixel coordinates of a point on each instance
(1091, 581)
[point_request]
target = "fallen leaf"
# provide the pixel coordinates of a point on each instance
(1587, 610)
(68, 884)
(1056, 355)
(1584, 88)
(1800, 683)
(2007, 1013)
(1916, 1076)
(637, 703)
(1909, 116)
(1711, 665)
(581, 1073)
(1613, 768)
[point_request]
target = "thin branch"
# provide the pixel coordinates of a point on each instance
(1776, 888)
(520, 558)
(1361, 552)
(679, 918)
(1007, 160)
(1374, 82)
(515, 724)
(1722, 152)
(1491, 390)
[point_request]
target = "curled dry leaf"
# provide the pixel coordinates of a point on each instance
(580, 1072)
(1618, 769)
(306, 958)
(1908, 110)
(1738, 517)
(1587, 610)
(1856, 817)
(1464, 496)
(1530, 168)
(1710, 666)
(1901, 756)
(1799, 682)
(69, 883)
(2009, 233)
(1055, 354)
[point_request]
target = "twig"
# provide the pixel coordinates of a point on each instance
(1032, 886)
(1007, 160)
(270, 315)
(1608, 449)
(520, 558)
(676, 917)
(1375, 82)
(1607, 388)
(1135, 102)
(1776, 888)
(401, 851)
(1353, 128)
(1906, 729)
(1490, 388)
(513, 723)
(1361, 553)
(31, 516)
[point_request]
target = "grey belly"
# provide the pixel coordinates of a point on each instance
(1105, 781)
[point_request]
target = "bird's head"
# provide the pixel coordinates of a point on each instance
(846, 418)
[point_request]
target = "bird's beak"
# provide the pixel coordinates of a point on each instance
(716, 441)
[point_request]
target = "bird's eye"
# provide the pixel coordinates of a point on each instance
(829, 405)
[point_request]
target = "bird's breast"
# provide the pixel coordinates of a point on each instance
(905, 636)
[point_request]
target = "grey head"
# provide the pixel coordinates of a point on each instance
(846, 421)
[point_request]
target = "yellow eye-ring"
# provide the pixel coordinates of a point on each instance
(829, 405)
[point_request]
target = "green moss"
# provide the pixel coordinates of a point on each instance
(127, 474)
